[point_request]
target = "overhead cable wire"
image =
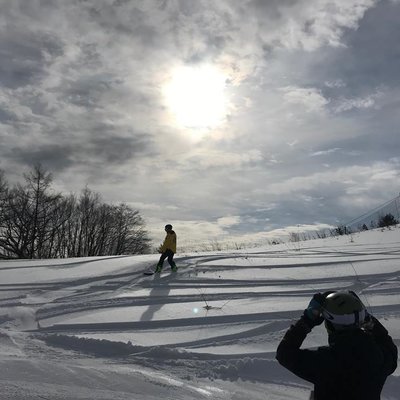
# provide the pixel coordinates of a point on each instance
(394, 200)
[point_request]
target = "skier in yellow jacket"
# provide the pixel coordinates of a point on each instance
(168, 250)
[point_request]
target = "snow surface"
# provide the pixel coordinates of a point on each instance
(97, 328)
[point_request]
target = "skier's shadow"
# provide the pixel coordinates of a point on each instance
(157, 297)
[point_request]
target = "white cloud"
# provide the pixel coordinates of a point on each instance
(311, 98)
(12, 104)
(293, 143)
(379, 177)
(322, 22)
(228, 221)
(216, 158)
(337, 83)
(207, 235)
(268, 236)
(152, 206)
(366, 102)
(325, 152)
(193, 234)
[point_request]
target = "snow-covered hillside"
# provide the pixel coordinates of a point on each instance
(97, 328)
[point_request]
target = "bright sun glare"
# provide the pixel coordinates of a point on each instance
(196, 96)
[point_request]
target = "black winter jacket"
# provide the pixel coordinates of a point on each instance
(354, 366)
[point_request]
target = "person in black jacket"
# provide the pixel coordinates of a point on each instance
(360, 355)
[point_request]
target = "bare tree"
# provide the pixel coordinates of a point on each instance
(56, 231)
(15, 224)
(3, 197)
(86, 209)
(35, 222)
(3, 216)
(41, 209)
(132, 238)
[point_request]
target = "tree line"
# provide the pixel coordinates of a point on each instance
(37, 222)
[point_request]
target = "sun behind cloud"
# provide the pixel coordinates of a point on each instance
(196, 96)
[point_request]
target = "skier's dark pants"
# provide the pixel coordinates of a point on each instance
(167, 254)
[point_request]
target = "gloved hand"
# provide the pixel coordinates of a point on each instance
(313, 313)
(369, 321)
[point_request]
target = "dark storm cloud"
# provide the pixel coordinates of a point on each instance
(365, 62)
(23, 56)
(373, 146)
(124, 18)
(361, 65)
(118, 150)
(104, 151)
(272, 8)
(6, 116)
(62, 93)
(56, 157)
(87, 91)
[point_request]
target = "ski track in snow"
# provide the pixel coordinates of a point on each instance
(219, 318)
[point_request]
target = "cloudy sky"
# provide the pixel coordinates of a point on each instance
(226, 118)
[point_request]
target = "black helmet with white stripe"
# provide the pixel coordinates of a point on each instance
(343, 310)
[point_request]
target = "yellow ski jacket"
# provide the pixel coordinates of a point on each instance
(169, 242)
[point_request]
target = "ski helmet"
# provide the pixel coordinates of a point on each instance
(343, 310)
(168, 227)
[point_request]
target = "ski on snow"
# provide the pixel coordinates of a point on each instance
(150, 272)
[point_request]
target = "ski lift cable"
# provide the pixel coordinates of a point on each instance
(357, 276)
(374, 210)
(397, 207)
(361, 282)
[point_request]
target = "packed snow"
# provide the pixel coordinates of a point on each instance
(97, 328)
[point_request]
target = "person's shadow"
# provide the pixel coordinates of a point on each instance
(157, 297)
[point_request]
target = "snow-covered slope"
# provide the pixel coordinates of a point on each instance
(97, 328)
